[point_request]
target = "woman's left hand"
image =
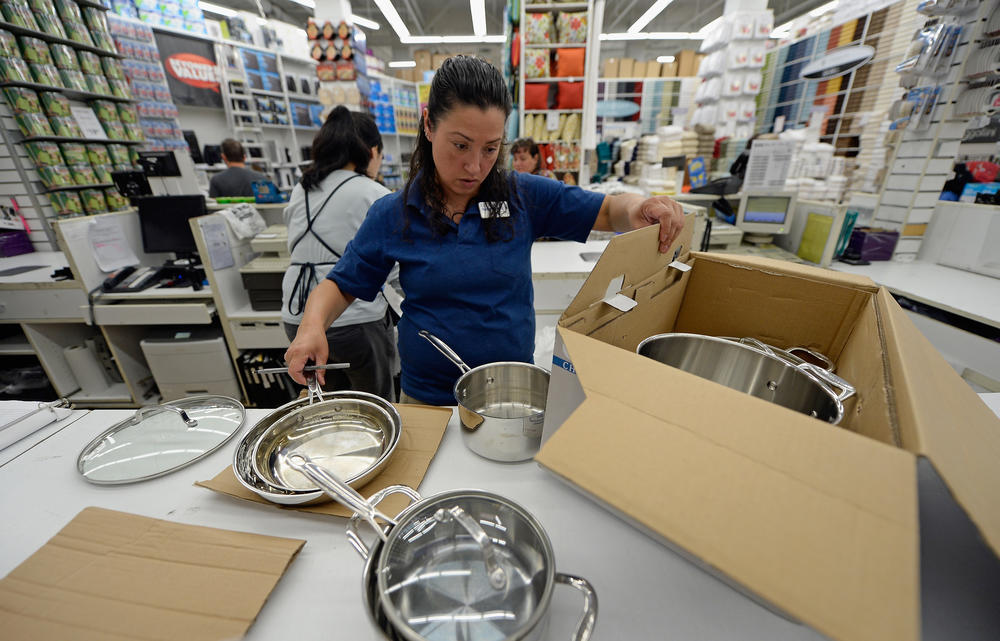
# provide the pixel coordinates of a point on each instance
(658, 209)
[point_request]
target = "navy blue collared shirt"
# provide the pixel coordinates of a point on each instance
(474, 295)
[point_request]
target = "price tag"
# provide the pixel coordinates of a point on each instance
(779, 124)
(552, 121)
(90, 126)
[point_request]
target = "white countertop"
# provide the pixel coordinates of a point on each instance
(644, 590)
(41, 277)
(955, 290)
(559, 258)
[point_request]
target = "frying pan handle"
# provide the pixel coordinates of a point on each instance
(585, 629)
(342, 492)
(354, 537)
(442, 347)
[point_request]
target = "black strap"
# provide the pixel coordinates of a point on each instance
(310, 219)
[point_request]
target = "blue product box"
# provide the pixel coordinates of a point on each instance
(972, 189)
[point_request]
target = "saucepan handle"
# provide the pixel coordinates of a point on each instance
(585, 629)
(354, 536)
(442, 347)
(840, 388)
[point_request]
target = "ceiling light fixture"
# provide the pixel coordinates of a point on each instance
(435, 40)
(214, 8)
(655, 35)
(478, 8)
(647, 17)
(365, 22)
(402, 64)
(392, 17)
(306, 3)
(666, 59)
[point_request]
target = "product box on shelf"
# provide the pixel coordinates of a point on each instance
(610, 68)
(819, 521)
(687, 62)
(626, 68)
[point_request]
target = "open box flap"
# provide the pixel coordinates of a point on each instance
(942, 418)
(633, 255)
(815, 519)
(785, 267)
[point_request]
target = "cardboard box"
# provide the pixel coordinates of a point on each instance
(439, 59)
(611, 68)
(652, 69)
(687, 64)
(668, 69)
(820, 521)
(626, 68)
(424, 60)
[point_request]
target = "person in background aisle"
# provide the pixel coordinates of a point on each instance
(461, 231)
(527, 159)
(236, 179)
(323, 214)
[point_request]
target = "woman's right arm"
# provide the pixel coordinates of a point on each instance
(326, 303)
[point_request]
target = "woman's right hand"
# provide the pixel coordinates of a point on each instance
(309, 345)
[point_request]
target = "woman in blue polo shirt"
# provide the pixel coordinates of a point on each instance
(461, 231)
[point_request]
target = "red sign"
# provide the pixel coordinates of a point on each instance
(194, 70)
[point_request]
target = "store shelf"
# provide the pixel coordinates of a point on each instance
(558, 45)
(303, 98)
(41, 35)
(15, 346)
(103, 141)
(73, 187)
(557, 111)
(562, 6)
(566, 79)
(72, 94)
(265, 92)
(88, 3)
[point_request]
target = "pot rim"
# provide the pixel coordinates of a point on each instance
(464, 375)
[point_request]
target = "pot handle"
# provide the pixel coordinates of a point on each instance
(342, 492)
(827, 364)
(354, 537)
(585, 629)
(448, 352)
(143, 412)
(840, 388)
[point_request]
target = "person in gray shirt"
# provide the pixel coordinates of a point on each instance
(236, 180)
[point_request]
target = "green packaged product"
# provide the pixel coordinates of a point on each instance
(68, 10)
(70, 203)
(22, 101)
(118, 167)
(65, 127)
(127, 114)
(46, 75)
(103, 173)
(98, 155)
(95, 19)
(134, 133)
(74, 153)
(64, 57)
(33, 125)
(112, 68)
(44, 153)
(55, 104)
(35, 50)
(42, 6)
(18, 13)
(89, 62)
(115, 200)
(103, 40)
(77, 32)
(120, 89)
(49, 23)
(133, 157)
(105, 110)
(73, 79)
(93, 201)
(55, 176)
(83, 174)
(97, 84)
(119, 156)
(14, 69)
(8, 44)
(115, 130)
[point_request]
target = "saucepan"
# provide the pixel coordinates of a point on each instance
(756, 368)
(462, 564)
(501, 405)
(355, 433)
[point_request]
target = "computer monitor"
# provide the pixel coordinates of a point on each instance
(192, 140)
(159, 163)
(764, 213)
(132, 184)
(814, 231)
(163, 223)
(213, 154)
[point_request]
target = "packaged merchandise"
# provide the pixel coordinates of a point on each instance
(119, 156)
(35, 50)
(103, 40)
(98, 155)
(18, 13)
(66, 203)
(22, 100)
(49, 23)
(105, 110)
(116, 131)
(73, 79)
(95, 19)
(55, 104)
(120, 167)
(120, 89)
(90, 62)
(74, 153)
(55, 176)
(45, 74)
(14, 69)
(115, 200)
(64, 57)
(66, 127)
(94, 201)
(42, 6)
(97, 84)
(127, 113)
(77, 32)
(68, 10)
(33, 125)
(112, 68)
(8, 44)
(44, 153)
(83, 174)
(103, 174)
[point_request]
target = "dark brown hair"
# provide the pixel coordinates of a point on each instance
(346, 137)
(232, 150)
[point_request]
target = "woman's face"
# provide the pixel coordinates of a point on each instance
(465, 143)
(524, 161)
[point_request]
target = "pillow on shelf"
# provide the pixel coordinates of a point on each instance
(538, 29)
(569, 63)
(536, 63)
(572, 26)
(536, 95)
(570, 95)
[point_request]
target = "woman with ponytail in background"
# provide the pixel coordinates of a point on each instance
(323, 214)
(461, 231)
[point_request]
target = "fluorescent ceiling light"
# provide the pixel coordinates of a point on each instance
(647, 17)
(826, 8)
(402, 64)
(707, 29)
(478, 8)
(434, 40)
(392, 16)
(365, 22)
(306, 3)
(214, 8)
(655, 35)
(665, 59)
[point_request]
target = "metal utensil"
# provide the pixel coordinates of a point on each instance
(307, 368)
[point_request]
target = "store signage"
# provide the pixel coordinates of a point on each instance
(192, 73)
(838, 62)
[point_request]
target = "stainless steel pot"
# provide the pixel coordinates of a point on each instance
(463, 564)
(501, 405)
(758, 369)
(243, 467)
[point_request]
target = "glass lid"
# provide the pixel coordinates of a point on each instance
(159, 439)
